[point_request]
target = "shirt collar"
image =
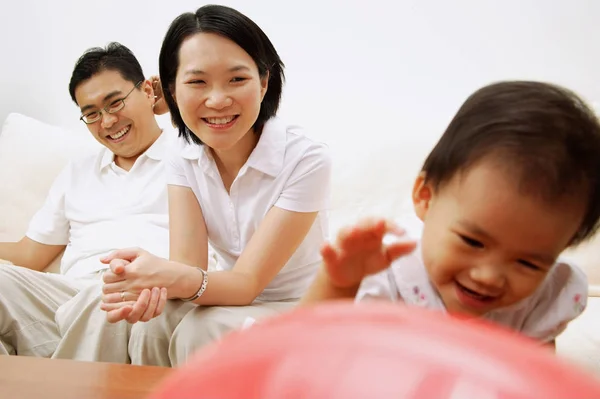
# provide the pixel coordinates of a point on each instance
(269, 153)
(412, 281)
(157, 151)
(267, 156)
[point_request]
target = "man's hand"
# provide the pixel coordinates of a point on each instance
(149, 304)
(128, 292)
(360, 251)
(160, 105)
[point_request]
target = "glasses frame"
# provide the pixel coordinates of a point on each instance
(113, 109)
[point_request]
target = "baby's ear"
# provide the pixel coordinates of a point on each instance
(421, 195)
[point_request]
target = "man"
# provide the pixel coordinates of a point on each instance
(114, 199)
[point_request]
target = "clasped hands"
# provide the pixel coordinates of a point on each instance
(137, 285)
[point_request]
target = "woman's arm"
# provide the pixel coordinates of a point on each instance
(272, 245)
(277, 237)
(188, 242)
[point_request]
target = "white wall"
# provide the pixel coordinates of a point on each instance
(378, 80)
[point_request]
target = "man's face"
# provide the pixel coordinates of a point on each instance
(129, 131)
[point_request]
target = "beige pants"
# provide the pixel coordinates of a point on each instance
(30, 305)
(205, 324)
(51, 315)
(167, 340)
(86, 335)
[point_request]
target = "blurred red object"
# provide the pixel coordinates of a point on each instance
(339, 350)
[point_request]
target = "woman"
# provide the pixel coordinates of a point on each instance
(240, 179)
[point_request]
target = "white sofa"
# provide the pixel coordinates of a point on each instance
(32, 153)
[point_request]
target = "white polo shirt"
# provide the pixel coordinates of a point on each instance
(561, 298)
(286, 170)
(95, 207)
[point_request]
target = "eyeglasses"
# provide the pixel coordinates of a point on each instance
(114, 107)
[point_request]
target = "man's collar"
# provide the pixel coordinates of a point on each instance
(157, 151)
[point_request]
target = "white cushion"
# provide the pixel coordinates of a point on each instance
(580, 343)
(587, 256)
(32, 154)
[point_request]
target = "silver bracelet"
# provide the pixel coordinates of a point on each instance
(202, 287)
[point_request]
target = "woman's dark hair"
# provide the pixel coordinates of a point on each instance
(544, 134)
(235, 26)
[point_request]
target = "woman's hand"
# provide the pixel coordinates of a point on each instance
(137, 285)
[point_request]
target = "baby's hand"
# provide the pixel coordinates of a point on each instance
(360, 251)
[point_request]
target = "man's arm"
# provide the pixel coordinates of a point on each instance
(29, 253)
(48, 231)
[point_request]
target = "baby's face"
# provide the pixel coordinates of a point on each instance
(486, 245)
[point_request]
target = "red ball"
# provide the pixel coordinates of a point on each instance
(340, 350)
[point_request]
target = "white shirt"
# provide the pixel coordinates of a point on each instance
(286, 170)
(542, 316)
(95, 207)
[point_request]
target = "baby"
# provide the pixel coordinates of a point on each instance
(512, 183)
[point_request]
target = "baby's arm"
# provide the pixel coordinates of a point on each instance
(323, 289)
(358, 252)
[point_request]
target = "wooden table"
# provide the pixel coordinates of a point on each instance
(34, 378)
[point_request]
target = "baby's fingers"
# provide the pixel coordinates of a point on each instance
(365, 235)
(329, 254)
(395, 250)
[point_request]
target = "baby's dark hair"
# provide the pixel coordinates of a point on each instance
(545, 134)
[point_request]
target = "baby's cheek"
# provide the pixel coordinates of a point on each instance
(524, 286)
(445, 264)
(440, 273)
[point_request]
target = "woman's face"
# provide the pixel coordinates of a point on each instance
(218, 90)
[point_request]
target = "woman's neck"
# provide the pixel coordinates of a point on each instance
(230, 161)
